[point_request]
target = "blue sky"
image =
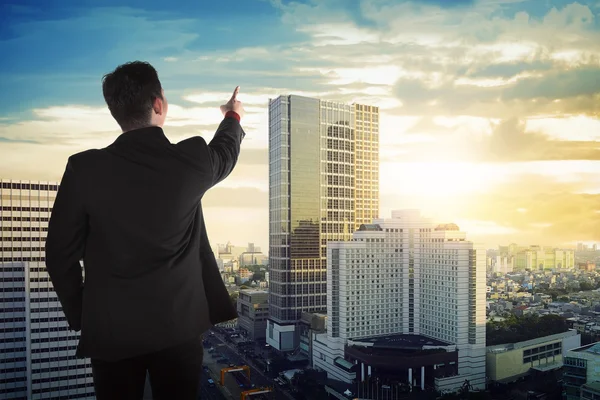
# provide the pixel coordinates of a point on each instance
(59, 50)
(59, 53)
(503, 94)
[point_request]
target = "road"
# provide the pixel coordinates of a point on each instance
(206, 391)
(257, 376)
(231, 389)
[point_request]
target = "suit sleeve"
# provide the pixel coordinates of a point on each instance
(65, 243)
(224, 148)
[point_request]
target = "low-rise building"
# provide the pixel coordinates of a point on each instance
(581, 374)
(508, 362)
(253, 311)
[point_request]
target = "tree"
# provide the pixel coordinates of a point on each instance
(234, 297)
(309, 385)
(258, 276)
(517, 329)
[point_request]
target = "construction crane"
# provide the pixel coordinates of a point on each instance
(244, 368)
(253, 392)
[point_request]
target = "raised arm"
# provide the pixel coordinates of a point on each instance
(224, 148)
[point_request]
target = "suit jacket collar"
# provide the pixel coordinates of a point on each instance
(151, 133)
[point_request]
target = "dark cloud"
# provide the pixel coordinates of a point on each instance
(557, 85)
(505, 70)
(577, 89)
(510, 142)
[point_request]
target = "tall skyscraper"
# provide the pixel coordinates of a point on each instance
(37, 350)
(323, 180)
(404, 284)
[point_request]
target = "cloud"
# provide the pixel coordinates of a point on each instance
(472, 93)
(240, 197)
(472, 139)
(558, 212)
(54, 133)
(7, 140)
(555, 212)
(238, 225)
(581, 82)
(571, 91)
(510, 142)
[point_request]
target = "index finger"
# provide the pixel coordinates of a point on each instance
(235, 92)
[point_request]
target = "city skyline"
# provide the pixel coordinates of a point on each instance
(488, 115)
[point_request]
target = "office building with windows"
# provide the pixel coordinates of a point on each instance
(37, 350)
(581, 372)
(253, 311)
(323, 180)
(405, 298)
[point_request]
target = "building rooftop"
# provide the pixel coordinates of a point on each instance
(593, 348)
(447, 227)
(254, 291)
(401, 341)
(370, 227)
(595, 386)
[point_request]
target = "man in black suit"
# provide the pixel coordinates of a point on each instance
(132, 212)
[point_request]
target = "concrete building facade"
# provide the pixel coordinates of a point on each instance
(511, 361)
(581, 372)
(37, 355)
(407, 276)
(253, 312)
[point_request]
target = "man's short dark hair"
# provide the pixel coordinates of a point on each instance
(130, 91)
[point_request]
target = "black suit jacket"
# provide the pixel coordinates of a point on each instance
(132, 212)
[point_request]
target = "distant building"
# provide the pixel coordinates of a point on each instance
(582, 372)
(406, 298)
(253, 312)
(504, 264)
(244, 275)
(233, 257)
(536, 258)
(252, 258)
(511, 361)
(587, 266)
(37, 355)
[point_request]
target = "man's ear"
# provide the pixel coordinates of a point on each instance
(158, 106)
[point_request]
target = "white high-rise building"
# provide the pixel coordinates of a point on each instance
(405, 285)
(504, 264)
(37, 350)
